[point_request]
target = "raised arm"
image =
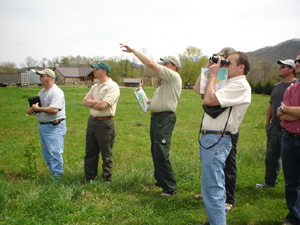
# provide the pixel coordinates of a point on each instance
(147, 61)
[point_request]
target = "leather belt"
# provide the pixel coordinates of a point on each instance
(162, 113)
(102, 118)
(55, 122)
(214, 132)
(297, 136)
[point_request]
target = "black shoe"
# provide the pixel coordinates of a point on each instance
(264, 185)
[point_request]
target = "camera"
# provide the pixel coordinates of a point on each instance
(223, 61)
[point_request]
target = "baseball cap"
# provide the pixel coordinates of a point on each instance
(46, 72)
(101, 65)
(225, 51)
(171, 59)
(288, 62)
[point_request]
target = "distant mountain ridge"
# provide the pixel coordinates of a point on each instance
(284, 50)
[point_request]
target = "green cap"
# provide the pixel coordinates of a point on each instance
(101, 65)
(171, 59)
(225, 51)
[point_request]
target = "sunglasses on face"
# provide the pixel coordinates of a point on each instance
(297, 60)
(283, 66)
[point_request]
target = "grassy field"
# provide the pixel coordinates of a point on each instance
(35, 198)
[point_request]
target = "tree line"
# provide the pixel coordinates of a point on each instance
(262, 76)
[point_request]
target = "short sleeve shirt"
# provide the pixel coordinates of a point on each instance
(108, 92)
(167, 95)
(276, 99)
(292, 98)
(54, 98)
(236, 93)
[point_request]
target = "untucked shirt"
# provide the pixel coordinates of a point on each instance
(235, 93)
(277, 97)
(292, 98)
(108, 92)
(54, 98)
(167, 95)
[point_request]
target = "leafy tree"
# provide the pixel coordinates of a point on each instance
(8, 67)
(115, 67)
(192, 61)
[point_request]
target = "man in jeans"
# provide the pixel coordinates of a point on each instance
(289, 113)
(230, 170)
(274, 130)
(236, 95)
(51, 115)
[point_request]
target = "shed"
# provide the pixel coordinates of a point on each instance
(132, 82)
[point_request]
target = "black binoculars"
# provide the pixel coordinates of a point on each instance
(223, 61)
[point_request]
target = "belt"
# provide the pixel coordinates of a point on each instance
(214, 132)
(102, 118)
(297, 136)
(162, 113)
(55, 122)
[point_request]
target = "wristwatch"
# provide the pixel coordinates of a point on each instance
(281, 108)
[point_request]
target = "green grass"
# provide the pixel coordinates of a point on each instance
(41, 200)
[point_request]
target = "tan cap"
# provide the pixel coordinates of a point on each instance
(225, 51)
(46, 72)
(171, 59)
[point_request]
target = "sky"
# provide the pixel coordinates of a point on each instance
(56, 28)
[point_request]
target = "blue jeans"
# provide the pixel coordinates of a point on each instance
(212, 176)
(291, 170)
(52, 141)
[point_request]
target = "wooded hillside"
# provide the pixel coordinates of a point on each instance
(284, 50)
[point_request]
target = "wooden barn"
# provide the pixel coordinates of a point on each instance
(74, 75)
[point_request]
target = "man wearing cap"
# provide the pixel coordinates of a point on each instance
(52, 125)
(100, 133)
(163, 106)
(289, 113)
(273, 127)
(230, 170)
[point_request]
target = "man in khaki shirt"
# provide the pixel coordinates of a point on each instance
(163, 105)
(100, 133)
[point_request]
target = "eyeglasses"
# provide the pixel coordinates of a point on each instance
(297, 60)
(284, 65)
(42, 76)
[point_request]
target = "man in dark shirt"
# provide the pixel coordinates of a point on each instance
(273, 128)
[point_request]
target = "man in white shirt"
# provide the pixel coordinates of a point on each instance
(236, 94)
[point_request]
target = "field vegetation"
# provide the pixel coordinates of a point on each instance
(29, 195)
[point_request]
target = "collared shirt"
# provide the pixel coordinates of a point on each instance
(108, 92)
(235, 93)
(292, 98)
(54, 98)
(167, 95)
